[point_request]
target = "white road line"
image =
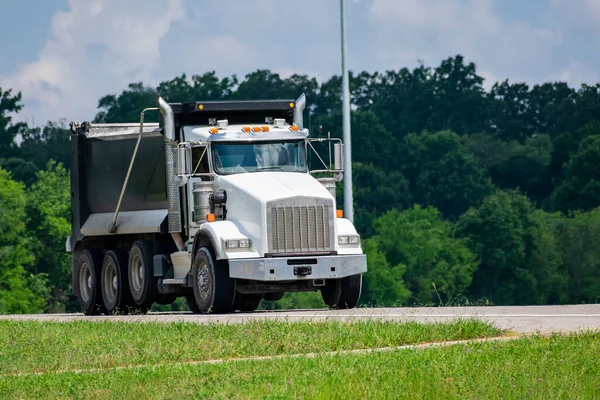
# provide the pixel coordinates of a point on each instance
(268, 358)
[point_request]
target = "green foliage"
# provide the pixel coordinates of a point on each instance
(501, 233)
(48, 214)
(375, 191)
(581, 188)
(8, 131)
(442, 173)
(20, 292)
(578, 241)
(383, 285)
(423, 251)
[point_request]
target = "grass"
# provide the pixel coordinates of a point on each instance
(50, 346)
(535, 367)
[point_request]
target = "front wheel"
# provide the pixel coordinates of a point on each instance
(343, 293)
(214, 290)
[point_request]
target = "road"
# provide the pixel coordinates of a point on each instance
(528, 319)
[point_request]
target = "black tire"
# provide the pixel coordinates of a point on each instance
(343, 293)
(332, 292)
(273, 296)
(214, 290)
(351, 290)
(140, 275)
(86, 278)
(191, 303)
(246, 302)
(114, 285)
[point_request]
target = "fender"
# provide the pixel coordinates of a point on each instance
(346, 227)
(216, 234)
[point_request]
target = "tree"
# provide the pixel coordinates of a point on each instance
(20, 292)
(419, 243)
(442, 173)
(8, 131)
(375, 191)
(501, 233)
(581, 188)
(383, 284)
(48, 212)
(127, 106)
(52, 142)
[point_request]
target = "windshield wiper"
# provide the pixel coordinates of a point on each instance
(271, 168)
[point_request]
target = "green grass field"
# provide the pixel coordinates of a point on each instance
(164, 356)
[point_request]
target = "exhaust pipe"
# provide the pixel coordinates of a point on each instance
(169, 119)
(300, 106)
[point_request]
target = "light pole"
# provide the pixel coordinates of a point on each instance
(348, 206)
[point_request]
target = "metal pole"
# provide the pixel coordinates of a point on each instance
(348, 206)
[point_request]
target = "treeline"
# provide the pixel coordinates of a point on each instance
(461, 194)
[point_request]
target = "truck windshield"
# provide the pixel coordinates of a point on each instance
(236, 158)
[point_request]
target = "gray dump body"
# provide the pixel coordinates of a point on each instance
(100, 159)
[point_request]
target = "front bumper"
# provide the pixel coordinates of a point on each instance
(296, 269)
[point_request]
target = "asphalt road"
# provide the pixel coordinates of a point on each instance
(518, 319)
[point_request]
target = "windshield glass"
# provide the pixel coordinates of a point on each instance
(235, 158)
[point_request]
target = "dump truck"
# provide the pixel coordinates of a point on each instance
(216, 203)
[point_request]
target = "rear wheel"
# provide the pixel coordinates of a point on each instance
(246, 302)
(214, 290)
(343, 293)
(140, 274)
(86, 281)
(114, 285)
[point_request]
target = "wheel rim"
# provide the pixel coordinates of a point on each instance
(110, 283)
(203, 281)
(85, 282)
(137, 274)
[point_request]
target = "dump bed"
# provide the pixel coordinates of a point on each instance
(101, 154)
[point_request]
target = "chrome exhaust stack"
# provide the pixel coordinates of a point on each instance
(169, 119)
(300, 106)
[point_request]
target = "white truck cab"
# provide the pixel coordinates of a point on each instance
(247, 219)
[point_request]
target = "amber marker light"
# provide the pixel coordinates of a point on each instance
(211, 218)
(339, 213)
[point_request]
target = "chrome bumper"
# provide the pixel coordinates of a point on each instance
(294, 268)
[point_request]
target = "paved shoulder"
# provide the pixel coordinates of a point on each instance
(519, 319)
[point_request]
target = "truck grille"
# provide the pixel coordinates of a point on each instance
(300, 228)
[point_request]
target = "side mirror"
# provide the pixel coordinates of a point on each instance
(338, 157)
(184, 159)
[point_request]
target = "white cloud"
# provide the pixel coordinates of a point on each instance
(431, 30)
(100, 46)
(94, 48)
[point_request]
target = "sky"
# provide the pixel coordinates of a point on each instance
(64, 55)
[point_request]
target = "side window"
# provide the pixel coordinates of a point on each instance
(200, 160)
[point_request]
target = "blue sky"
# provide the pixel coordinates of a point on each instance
(63, 55)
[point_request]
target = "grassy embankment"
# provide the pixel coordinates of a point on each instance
(554, 367)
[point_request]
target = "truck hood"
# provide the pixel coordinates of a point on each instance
(267, 186)
(248, 195)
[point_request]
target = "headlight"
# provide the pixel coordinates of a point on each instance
(348, 240)
(238, 244)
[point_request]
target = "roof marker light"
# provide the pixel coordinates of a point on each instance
(294, 128)
(246, 129)
(265, 128)
(256, 129)
(213, 130)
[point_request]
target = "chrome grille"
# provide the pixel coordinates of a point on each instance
(300, 228)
